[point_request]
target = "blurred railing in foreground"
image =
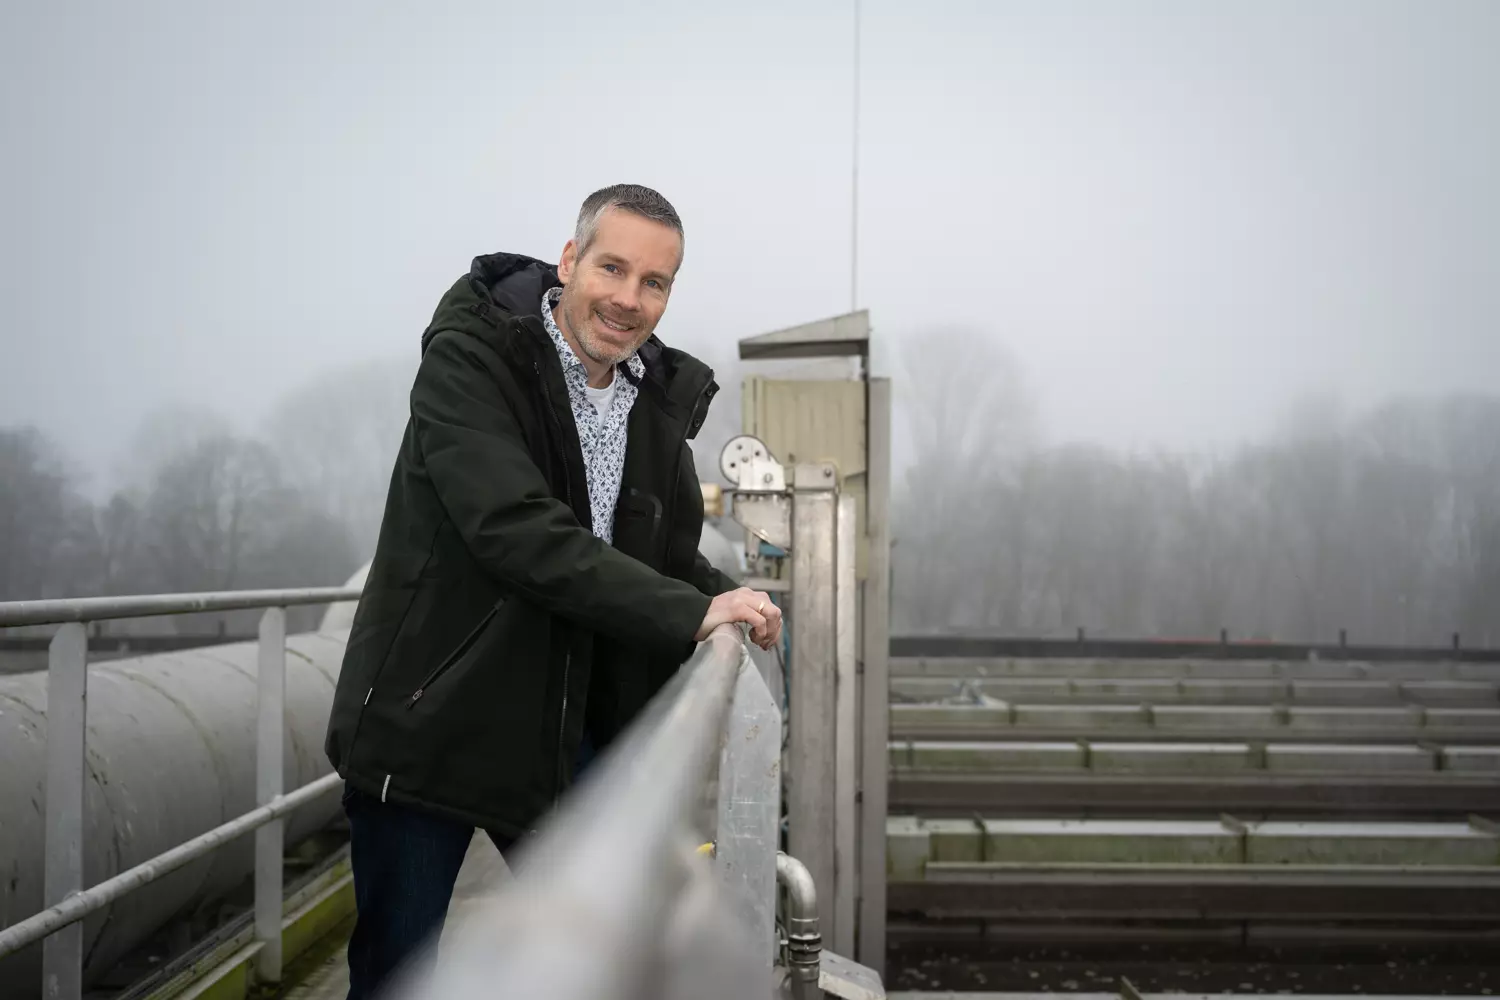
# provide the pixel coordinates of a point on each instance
(616, 899)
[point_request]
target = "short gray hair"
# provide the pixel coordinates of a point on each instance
(636, 198)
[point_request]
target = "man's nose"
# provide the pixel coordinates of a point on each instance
(627, 298)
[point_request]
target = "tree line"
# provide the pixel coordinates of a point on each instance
(1384, 524)
(218, 514)
(201, 505)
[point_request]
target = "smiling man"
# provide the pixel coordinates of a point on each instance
(537, 577)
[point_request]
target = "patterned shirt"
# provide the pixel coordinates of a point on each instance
(602, 438)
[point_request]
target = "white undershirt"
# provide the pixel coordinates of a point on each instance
(601, 398)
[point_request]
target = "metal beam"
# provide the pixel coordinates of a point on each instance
(749, 808)
(837, 336)
(956, 644)
(1244, 893)
(1438, 734)
(1368, 797)
(67, 715)
(90, 609)
(811, 779)
(874, 679)
(846, 732)
(269, 839)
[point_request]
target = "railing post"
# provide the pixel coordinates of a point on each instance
(874, 680)
(811, 777)
(270, 730)
(749, 808)
(843, 892)
(67, 711)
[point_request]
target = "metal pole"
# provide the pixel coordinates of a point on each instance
(96, 897)
(854, 180)
(87, 609)
(749, 808)
(270, 732)
(804, 943)
(874, 680)
(810, 758)
(67, 712)
(846, 732)
(583, 916)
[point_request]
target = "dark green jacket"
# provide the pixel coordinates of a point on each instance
(494, 625)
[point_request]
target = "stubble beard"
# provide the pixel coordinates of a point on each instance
(579, 319)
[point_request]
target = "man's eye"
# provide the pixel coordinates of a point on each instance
(654, 283)
(611, 268)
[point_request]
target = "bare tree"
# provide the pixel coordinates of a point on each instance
(1385, 524)
(204, 507)
(219, 516)
(118, 526)
(967, 416)
(45, 534)
(336, 438)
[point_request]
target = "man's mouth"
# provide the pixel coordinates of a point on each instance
(616, 325)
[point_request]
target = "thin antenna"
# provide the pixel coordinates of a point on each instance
(854, 180)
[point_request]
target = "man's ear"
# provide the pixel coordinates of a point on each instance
(568, 262)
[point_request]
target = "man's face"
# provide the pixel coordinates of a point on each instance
(615, 294)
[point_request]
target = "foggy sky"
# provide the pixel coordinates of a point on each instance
(1180, 217)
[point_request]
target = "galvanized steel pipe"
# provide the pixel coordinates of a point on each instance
(804, 939)
(92, 609)
(78, 906)
(584, 915)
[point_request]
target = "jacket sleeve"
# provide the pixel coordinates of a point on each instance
(522, 536)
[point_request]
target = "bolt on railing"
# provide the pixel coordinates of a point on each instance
(66, 899)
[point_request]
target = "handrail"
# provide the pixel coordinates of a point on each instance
(80, 905)
(609, 871)
(67, 899)
(89, 609)
(585, 915)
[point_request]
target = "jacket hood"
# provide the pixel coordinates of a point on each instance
(504, 286)
(499, 286)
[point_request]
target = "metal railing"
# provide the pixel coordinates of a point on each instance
(611, 901)
(607, 902)
(67, 900)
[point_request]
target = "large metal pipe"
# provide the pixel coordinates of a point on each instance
(170, 755)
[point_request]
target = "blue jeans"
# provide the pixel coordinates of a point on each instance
(405, 864)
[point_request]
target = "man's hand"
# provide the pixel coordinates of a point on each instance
(752, 607)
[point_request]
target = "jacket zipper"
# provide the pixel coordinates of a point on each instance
(562, 717)
(451, 658)
(562, 723)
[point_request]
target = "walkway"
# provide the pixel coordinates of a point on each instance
(483, 872)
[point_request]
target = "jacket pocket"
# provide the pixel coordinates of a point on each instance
(454, 656)
(638, 519)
